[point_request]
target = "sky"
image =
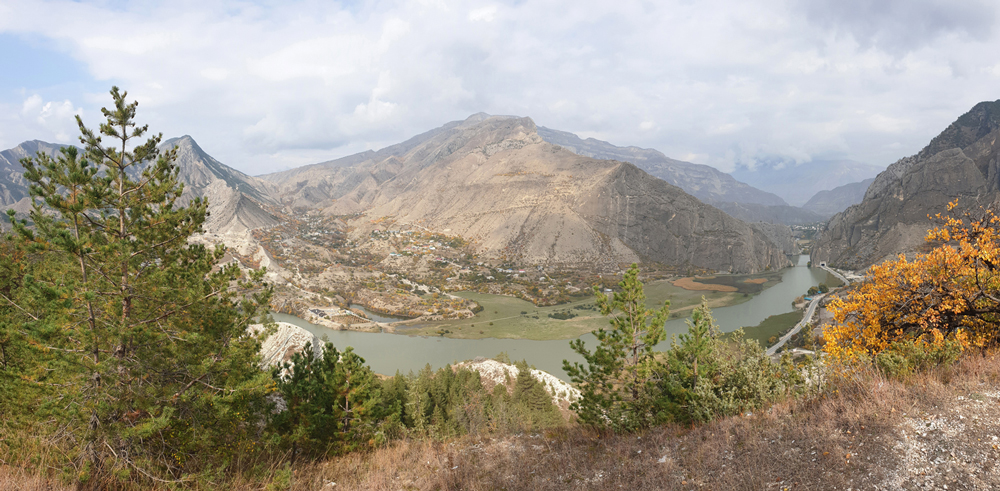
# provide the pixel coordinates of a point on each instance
(265, 86)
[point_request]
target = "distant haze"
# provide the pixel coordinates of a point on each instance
(797, 183)
(266, 86)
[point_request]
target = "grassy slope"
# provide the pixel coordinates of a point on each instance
(864, 432)
(772, 326)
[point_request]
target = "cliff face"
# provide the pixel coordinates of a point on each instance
(497, 183)
(961, 163)
(236, 201)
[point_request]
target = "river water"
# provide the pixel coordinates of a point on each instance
(387, 353)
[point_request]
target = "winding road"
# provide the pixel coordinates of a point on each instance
(798, 327)
(838, 275)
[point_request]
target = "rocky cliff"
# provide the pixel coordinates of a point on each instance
(236, 201)
(961, 163)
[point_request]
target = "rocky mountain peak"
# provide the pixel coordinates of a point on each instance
(494, 181)
(962, 163)
(981, 120)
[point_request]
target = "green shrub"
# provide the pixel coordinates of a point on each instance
(906, 357)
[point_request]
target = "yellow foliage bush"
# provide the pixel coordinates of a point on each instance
(951, 294)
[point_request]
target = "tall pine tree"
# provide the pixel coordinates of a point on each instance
(155, 371)
(617, 383)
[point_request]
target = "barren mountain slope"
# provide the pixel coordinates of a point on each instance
(13, 187)
(347, 183)
(960, 163)
(830, 202)
(775, 214)
(493, 180)
(236, 201)
(704, 182)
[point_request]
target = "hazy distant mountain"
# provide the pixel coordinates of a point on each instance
(963, 163)
(494, 181)
(798, 183)
(236, 201)
(13, 187)
(784, 215)
(836, 200)
(703, 182)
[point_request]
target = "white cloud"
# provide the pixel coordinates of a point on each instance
(264, 87)
(485, 14)
(52, 120)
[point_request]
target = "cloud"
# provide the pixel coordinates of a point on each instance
(900, 26)
(49, 120)
(265, 86)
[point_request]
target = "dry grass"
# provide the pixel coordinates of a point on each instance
(865, 432)
(691, 284)
(853, 436)
(755, 281)
(17, 478)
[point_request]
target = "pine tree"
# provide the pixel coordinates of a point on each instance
(534, 400)
(617, 381)
(149, 338)
(691, 368)
(332, 402)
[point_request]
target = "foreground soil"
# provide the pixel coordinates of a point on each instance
(934, 431)
(937, 430)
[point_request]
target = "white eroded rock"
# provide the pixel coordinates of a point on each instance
(498, 373)
(285, 342)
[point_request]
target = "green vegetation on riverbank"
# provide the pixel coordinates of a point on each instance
(773, 326)
(506, 317)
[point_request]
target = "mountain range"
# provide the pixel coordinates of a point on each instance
(701, 181)
(830, 202)
(959, 164)
(13, 187)
(517, 191)
(495, 181)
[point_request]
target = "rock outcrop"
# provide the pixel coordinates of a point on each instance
(493, 373)
(282, 345)
(959, 164)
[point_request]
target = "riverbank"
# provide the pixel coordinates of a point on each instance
(543, 342)
(505, 317)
